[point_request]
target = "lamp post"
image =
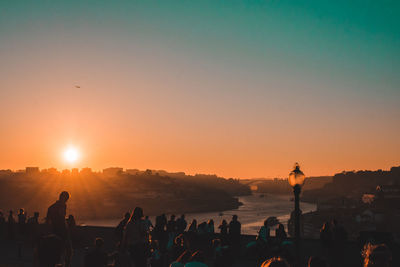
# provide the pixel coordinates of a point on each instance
(296, 180)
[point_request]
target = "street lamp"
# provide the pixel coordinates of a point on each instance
(296, 180)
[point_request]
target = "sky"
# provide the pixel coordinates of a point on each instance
(234, 88)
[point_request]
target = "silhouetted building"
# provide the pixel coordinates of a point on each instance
(32, 170)
(113, 171)
(86, 171)
(51, 171)
(132, 171)
(66, 172)
(5, 172)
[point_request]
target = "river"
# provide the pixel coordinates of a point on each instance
(255, 209)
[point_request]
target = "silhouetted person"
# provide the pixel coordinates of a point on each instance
(171, 225)
(34, 219)
(275, 262)
(339, 233)
(210, 227)
(264, 232)
(202, 228)
(11, 226)
(33, 227)
(223, 227)
(148, 223)
(136, 238)
(97, 257)
(326, 236)
(2, 224)
(280, 232)
(339, 236)
(160, 234)
(164, 220)
(193, 226)
(316, 261)
(119, 230)
(192, 234)
(22, 222)
(56, 219)
(377, 256)
(71, 222)
(181, 224)
(234, 229)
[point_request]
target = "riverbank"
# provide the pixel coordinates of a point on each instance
(252, 213)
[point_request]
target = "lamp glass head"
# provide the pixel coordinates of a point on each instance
(296, 177)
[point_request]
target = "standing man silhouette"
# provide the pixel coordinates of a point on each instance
(56, 219)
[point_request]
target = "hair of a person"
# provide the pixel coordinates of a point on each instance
(234, 217)
(64, 195)
(198, 256)
(184, 257)
(316, 261)
(137, 213)
(325, 226)
(377, 255)
(275, 262)
(179, 239)
(99, 242)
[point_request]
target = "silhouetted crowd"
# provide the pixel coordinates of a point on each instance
(20, 227)
(174, 242)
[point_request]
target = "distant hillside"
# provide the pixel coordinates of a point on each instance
(281, 186)
(96, 195)
(353, 184)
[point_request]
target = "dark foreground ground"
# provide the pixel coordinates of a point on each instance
(18, 253)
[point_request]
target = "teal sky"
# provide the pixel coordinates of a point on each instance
(237, 88)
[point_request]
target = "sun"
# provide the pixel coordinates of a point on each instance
(71, 154)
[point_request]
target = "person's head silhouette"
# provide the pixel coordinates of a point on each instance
(64, 196)
(99, 242)
(137, 213)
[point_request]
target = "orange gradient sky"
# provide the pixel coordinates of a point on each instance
(238, 98)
